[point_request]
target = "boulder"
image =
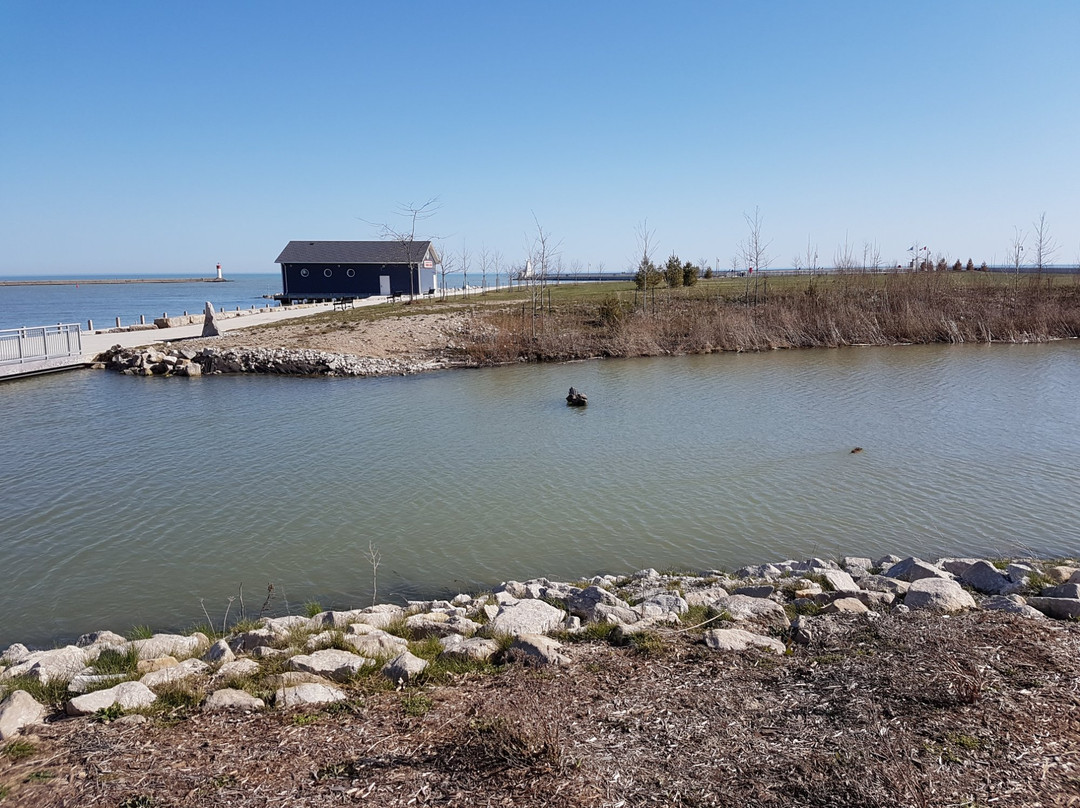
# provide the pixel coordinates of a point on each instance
(331, 663)
(840, 581)
(341, 620)
(100, 638)
(238, 669)
(14, 654)
(1062, 591)
(475, 649)
(538, 650)
(756, 591)
(1058, 608)
(846, 606)
(87, 681)
(1019, 573)
(210, 326)
(879, 583)
(938, 595)
(405, 666)
(157, 663)
(662, 604)
(175, 645)
(438, 624)
(219, 652)
(706, 597)
(19, 710)
(281, 627)
(956, 566)
(857, 566)
(754, 610)
(914, 569)
(1059, 574)
(231, 699)
(175, 673)
(250, 640)
(525, 617)
(56, 665)
(1013, 604)
(126, 695)
(377, 643)
(984, 577)
(583, 602)
(381, 615)
(735, 639)
(307, 693)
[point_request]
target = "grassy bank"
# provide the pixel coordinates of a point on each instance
(744, 314)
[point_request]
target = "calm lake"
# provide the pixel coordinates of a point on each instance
(131, 501)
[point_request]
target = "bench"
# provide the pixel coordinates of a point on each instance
(341, 303)
(396, 296)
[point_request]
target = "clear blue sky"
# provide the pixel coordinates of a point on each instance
(168, 136)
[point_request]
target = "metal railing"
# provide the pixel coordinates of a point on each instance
(19, 345)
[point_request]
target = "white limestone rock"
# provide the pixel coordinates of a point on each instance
(475, 649)
(175, 673)
(19, 710)
(1062, 591)
(108, 638)
(846, 606)
(378, 643)
(754, 610)
(706, 597)
(914, 569)
(439, 624)
(583, 602)
(405, 666)
(662, 604)
(282, 627)
(88, 680)
(957, 566)
(128, 695)
(524, 617)
(857, 566)
(880, 583)
(14, 654)
(219, 652)
(175, 645)
(232, 699)
(238, 669)
(250, 640)
(538, 649)
(331, 663)
(56, 665)
(307, 693)
(755, 591)
(938, 595)
(736, 639)
(840, 581)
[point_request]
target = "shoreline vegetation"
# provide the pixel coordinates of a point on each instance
(887, 682)
(565, 322)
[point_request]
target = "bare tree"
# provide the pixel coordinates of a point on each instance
(844, 258)
(871, 256)
(446, 267)
(646, 240)
(754, 247)
(544, 254)
(811, 257)
(406, 235)
(496, 262)
(485, 261)
(464, 269)
(1016, 250)
(1045, 246)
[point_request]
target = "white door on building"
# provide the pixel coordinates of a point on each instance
(384, 285)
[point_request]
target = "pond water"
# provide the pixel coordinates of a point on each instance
(143, 501)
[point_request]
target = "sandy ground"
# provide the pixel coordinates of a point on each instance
(417, 336)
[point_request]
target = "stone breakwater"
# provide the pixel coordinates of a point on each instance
(178, 361)
(281, 662)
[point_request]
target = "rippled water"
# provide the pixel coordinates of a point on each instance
(128, 500)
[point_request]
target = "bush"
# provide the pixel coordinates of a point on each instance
(612, 311)
(648, 276)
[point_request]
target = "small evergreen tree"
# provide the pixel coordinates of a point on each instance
(673, 271)
(970, 265)
(690, 274)
(647, 275)
(957, 266)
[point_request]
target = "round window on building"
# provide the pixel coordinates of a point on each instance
(351, 273)
(304, 273)
(328, 272)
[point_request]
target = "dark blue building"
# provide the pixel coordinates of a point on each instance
(332, 270)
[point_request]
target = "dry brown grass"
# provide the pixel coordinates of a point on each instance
(825, 311)
(971, 710)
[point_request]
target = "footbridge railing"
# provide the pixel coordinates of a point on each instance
(20, 345)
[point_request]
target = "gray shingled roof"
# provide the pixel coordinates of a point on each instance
(352, 252)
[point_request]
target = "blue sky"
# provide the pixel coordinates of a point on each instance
(168, 136)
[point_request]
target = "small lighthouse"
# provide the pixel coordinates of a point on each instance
(219, 272)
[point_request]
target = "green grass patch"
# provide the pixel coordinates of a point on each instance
(312, 608)
(52, 693)
(113, 661)
(19, 749)
(305, 719)
(108, 714)
(647, 644)
(416, 704)
(140, 633)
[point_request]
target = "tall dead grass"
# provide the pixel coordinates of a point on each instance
(825, 311)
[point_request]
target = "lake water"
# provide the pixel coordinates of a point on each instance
(130, 500)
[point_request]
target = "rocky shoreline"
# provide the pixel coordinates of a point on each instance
(770, 606)
(179, 361)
